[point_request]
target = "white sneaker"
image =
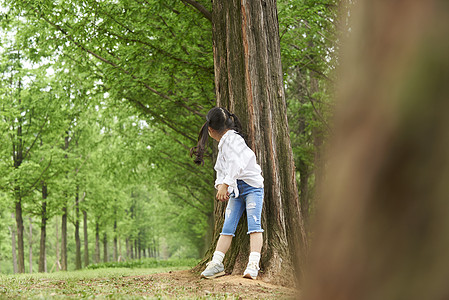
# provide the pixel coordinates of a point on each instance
(213, 270)
(251, 270)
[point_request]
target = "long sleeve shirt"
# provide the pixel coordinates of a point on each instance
(236, 161)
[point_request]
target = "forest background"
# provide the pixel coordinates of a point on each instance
(100, 104)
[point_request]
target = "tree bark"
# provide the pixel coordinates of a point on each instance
(42, 247)
(64, 220)
(97, 243)
(383, 222)
(30, 246)
(64, 239)
(12, 229)
(19, 223)
(249, 82)
(115, 240)
(128, 255)
(78, 265)
(18, 159)
(105, 247)
(57, 263)
(120, 255)
(86, 240)
(139, 251)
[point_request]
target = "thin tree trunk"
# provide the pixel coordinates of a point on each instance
(115, 240)
(78, 265)
(139, 249)
(30, 245)
(120, 255)
(86, 240)
(105, 247)
(18, 159)
(97, 243)
(19, 223)
(249, 82)
(64, 220)
(42, 249)
(58, 263)
(383, 221)
(64, 239)
(128, 255)
(12, 229)
(303, 88)
(304, 175)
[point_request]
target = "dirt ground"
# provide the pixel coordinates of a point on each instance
(229, 286)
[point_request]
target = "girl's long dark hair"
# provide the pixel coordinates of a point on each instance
(219, 119)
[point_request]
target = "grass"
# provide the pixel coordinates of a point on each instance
(145, 279)
(110, 283)
(147, 263)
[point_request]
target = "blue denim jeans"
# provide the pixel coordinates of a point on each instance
(251, 199)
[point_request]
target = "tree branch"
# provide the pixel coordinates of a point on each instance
(187, 202)
(36, 138)
(158, 117)
(207, 14)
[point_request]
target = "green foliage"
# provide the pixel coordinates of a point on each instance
(309, 45)
(105, 99)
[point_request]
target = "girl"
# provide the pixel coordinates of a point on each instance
(239, 181)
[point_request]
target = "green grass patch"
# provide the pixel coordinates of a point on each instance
(100, 283)
(147, 263)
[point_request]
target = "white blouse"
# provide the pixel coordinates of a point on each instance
(236, 161)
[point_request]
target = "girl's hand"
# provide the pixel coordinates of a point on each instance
(222, 193)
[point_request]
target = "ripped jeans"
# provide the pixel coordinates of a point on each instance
(251, 199)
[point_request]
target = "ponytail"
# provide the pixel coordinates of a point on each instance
(237, 124)
(200, 148)
(218, 119)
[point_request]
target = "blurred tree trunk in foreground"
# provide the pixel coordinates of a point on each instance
(383, 221)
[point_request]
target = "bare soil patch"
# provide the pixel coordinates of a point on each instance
(229, 286)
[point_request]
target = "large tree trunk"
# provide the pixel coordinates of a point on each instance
(64, 238)
(78, 265)
(42, 252)
(12, 229)
(383, 223)
(248, 81)
(86, 240)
